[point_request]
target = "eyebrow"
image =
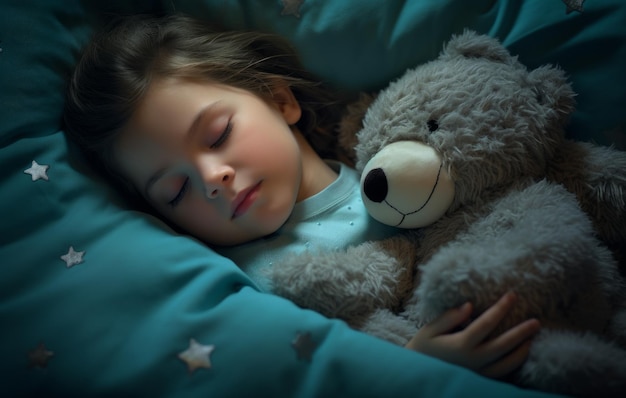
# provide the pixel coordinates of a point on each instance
(190, 133)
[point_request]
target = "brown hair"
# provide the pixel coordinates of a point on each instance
(119, 64)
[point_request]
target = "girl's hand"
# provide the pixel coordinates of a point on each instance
(494, 358)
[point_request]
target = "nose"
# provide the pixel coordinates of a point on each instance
(215, 177)
(375, 185)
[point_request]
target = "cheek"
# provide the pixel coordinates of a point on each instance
(196, 217)
(275, 150)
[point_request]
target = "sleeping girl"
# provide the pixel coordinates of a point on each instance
(225, 136)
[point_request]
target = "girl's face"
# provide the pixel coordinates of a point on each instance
(219, 162)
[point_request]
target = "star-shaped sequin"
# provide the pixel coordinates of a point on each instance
(197, 355)
(72, 257)
(291, 7)
(37, 171)
(573, 5)
(304, 346)
(39, 357)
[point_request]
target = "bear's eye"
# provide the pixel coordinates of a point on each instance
(432, 125)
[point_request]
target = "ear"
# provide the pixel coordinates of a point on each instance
(287, 103)
(470, 44)
(553, 91)
(551, 83)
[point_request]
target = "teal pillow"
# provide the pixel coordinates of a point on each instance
(362, 44)
(101, 300)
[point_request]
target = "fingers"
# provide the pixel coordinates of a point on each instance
(424, 339)
(513, 337)
(510, 349)
(482, 326)
(448, 320)
(509, 363)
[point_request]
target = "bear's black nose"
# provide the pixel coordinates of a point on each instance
(375, 185)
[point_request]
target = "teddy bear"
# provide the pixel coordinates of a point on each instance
(467, 156)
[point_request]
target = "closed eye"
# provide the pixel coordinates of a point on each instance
(181, 193)
(224, 136)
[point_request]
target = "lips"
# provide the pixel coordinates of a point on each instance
(244, 200)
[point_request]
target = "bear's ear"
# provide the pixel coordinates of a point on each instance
(470, 44)
(553, 89)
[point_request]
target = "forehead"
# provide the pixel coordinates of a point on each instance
(168, 108)
(171, 102)
(158, 125)
(168, 102)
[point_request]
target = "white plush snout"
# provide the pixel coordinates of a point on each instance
(405, 185)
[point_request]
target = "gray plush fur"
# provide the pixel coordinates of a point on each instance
(532, 212)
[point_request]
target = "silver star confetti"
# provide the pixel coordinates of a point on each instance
(573, 5)
(39, 357)
(197, 355)
(37, 171)
(72, 257)
(304, 346)
(291, 7)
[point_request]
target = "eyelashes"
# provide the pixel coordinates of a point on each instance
(224, 136)
(181, 193)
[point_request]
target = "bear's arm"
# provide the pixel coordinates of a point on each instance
(348, 284)
(535, 241)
